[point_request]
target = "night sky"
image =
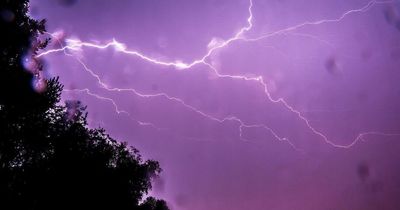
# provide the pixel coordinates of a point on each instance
(262, 104)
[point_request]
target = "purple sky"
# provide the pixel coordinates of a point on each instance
(320, 130)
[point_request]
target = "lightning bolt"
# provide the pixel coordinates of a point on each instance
(116, 108)
(74, 45)
(103, 85)
(88, 92)
(184, 104)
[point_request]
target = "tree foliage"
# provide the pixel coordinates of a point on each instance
(49, 158)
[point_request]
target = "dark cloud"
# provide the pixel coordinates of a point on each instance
(363, 171)
(67, 3)
(398, 24)
(331, 65)
(390, 15)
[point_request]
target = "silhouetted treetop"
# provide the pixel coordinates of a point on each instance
(49, 158)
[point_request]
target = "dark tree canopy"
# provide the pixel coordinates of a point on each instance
(49, 158)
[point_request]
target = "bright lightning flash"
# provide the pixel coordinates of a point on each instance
(78, 45)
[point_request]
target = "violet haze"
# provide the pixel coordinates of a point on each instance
(289, 104)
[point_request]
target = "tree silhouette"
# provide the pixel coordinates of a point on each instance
(49, 158)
